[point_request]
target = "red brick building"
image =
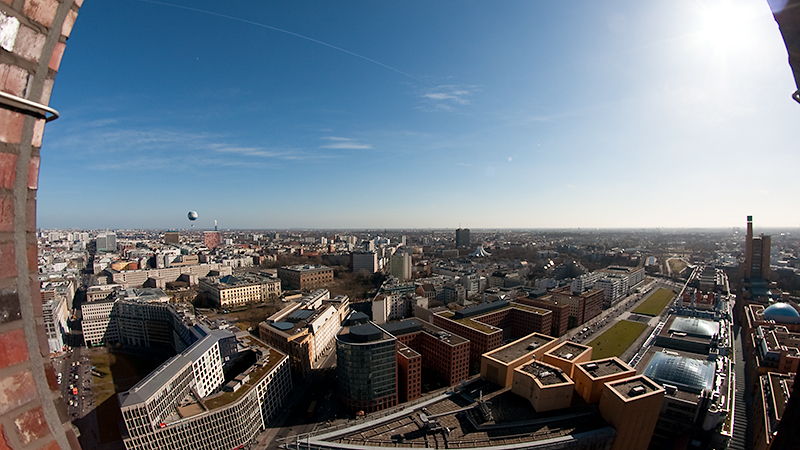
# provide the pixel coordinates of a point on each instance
(560, 322)
(488, 325)
(443, 353)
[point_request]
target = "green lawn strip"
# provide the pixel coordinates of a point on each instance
(655, 303)
(616, 339)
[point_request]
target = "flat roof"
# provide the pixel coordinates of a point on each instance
(545, 373)
(605, 367)
(521, 347)
(633, 387)
(513, 424)
(568, 350)
(363, 334)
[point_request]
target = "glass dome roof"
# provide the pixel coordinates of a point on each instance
(687, 374)
(695, 327)
(782, 313)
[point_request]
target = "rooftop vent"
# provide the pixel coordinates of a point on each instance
(568, 356)
(591, 366)
(671, 390)
(637, 390)
(545, 374)
(533, 346)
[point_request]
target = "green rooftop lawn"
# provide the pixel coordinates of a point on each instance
(616, 339)
(655, 303)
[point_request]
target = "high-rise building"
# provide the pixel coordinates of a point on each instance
(366, 261)
(462, 237)
(366, 368)
(401, 266)
(212, 239)
(756, 254)
(106, 242)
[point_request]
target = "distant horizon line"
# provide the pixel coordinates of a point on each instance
(730, 228)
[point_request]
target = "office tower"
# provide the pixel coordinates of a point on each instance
(106, 242)
(756, 254)
(462, 237)
(401, 266)
(366, 367)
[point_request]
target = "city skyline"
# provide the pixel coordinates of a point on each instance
(416, 115)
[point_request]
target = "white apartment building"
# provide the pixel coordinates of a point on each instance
(614, 288)
(184, 405)
(232, 291)
(55, 315)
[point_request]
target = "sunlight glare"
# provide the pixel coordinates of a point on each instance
(727, 26)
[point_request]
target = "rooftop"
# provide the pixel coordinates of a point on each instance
(305, 268)
(568, 351)
(545, 373)
(634, 387)
(149, 386)
(513, 423)
(685, 373)
(605, 367)
(521, 347)
(264, 366)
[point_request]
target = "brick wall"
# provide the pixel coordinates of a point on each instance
(33, 34)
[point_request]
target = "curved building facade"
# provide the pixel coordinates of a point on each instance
(367, 368)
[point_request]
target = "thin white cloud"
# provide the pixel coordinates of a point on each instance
(448, 97)
(342, 143)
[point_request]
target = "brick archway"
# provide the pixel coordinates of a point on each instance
(33, 36)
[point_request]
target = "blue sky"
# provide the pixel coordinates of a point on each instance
(414, 114)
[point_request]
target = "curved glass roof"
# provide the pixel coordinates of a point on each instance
(687, 374)
(782, 313)
(694, 326)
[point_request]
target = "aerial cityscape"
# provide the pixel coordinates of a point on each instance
(467, 225)
(423, 338)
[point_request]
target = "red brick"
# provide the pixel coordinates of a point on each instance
(73, 440)
(10, 126)
(6, 212)
(8, 262)
(36, 140)
(29, 44)
(16, 390)
(42, 11)
(36, 297)
(8, 170)
(33, 165)
(55, 58)
(53, 445)
(3, 442)
(33, 257)
(13, 348)
(47, 91)
(69, 22)
(14, 80)
(32, 425)
(50, 373)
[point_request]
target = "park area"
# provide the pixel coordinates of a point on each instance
(655, 303)
(616, 339)
(121, 371)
